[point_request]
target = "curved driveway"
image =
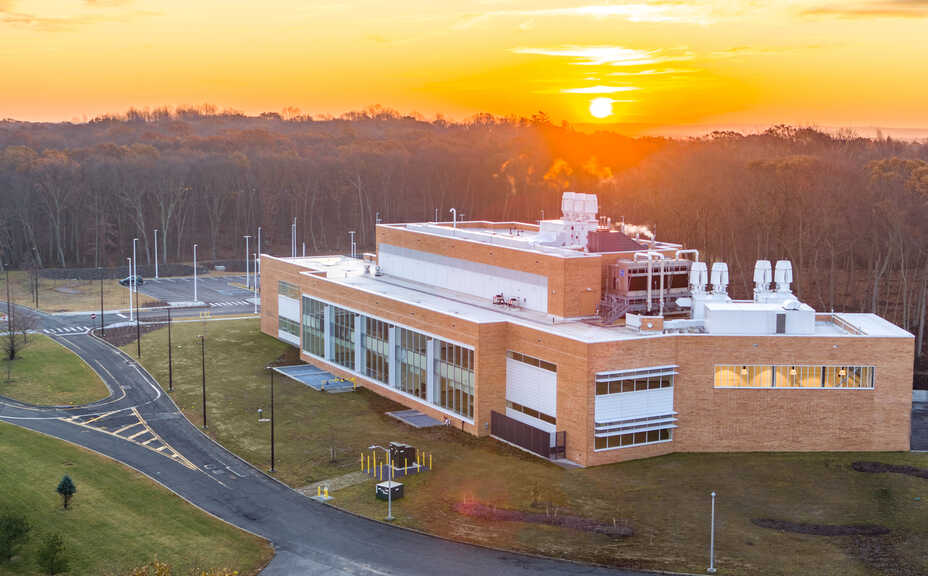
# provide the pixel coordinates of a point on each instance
(309, 537)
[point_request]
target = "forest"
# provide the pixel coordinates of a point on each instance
(850, 212)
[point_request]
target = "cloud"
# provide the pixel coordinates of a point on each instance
(41, 22)
(872, 9)
(599, 89)
(596, 55)
(637, 12)
(656, 72)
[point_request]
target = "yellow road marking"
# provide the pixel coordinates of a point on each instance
(124, 428)
(137, 434)
(163, 447)
(104, 415)
(147, 442)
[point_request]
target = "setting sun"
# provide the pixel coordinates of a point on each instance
(601, 107)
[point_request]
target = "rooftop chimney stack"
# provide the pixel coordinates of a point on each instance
(784, 276)
(720, 278)
(763, 274)
(699, 277)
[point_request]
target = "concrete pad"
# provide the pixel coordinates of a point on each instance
(415, 418)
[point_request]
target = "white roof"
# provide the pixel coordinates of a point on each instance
(350, 272)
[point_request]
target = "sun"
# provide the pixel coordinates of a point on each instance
(601, 107)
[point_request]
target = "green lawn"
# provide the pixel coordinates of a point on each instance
(48, 373)
(665, 500)
(118, 519)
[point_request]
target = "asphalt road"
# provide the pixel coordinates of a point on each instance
(309, 537)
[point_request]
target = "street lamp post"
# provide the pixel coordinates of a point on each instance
(156, 253)
(256, 283)
(203, 366)
(272, 421)
(711, 569)
(130, 288)
(138, 328)
(195, 273)
(247, 237)
(170, 356)
(258, 264)
(135, 269)
(102, 325)
(389, 482)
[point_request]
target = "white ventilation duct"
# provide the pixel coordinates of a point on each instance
(699, 277)
(784, 276)
(763, 274)
(720, 278)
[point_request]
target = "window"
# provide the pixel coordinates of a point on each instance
(377, 349)
(795, 376)
(634, 380)
(343, 337)
(412, 358)
(313, 327)
(530, 412)
(288, 290)
(288, 326)
(633, 439)
(531, 361)
(456, 378)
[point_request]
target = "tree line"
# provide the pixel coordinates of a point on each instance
(849, 211)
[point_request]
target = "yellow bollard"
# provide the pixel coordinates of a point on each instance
(318, 490)
(405, 465)
(430, 460)
(326, 491)
(362, 461)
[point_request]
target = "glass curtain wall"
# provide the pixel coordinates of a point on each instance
(313, 327)
(456, 379)
(377, 349)
(412, 355)
(343, 337)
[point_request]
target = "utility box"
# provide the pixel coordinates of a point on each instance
(402, 454)
(384, 489)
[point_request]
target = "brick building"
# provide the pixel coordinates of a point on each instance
(575, 340)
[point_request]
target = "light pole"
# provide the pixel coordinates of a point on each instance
(135, 268)
(170, 356)
(711, 569)
(293, 238)
(195, 273)
(102, 325)
(203, 366)
(258, 262)
(247, 237)
(130, 289)
(156, 253)
(256, 284)
(272, 418)
(389, 483)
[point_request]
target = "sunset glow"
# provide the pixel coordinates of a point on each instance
(704, 63)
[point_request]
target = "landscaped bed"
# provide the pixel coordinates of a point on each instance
(47, 373)
(664, 501)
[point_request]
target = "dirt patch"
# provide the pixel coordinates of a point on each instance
(883, 468)
(551, 518)
(821, 529)
(125, 334)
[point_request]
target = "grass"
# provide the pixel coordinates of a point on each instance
(119, 519)
(665, 500)
(46, 372)
(69, 295)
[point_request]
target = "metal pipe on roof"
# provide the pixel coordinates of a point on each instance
(676, 255)
(650, 254)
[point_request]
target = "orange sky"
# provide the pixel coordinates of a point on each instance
(663, 64)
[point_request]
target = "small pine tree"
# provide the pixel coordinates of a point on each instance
(14, 531)
(51, 556)
(67, 489)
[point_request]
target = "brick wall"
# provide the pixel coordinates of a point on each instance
(710, 419)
